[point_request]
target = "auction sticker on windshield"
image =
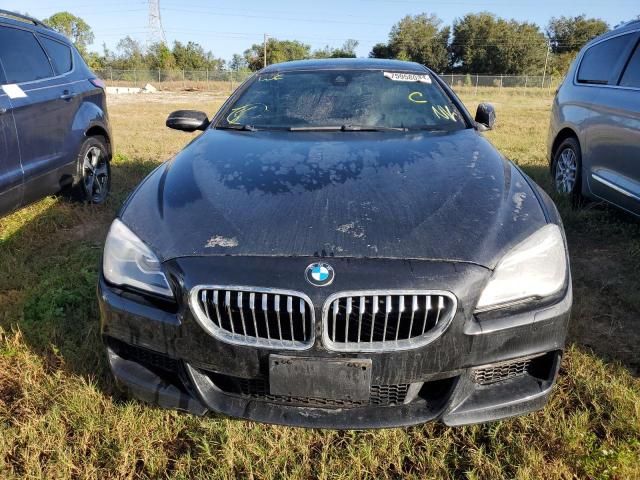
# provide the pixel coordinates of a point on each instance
(408, 77)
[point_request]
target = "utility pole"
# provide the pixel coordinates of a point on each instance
(546, 61)
(266, 37)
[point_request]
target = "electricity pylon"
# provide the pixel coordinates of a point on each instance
(156, 32)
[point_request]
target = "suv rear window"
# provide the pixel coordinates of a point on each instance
(600, 60)
(22, 56)
(59, 53)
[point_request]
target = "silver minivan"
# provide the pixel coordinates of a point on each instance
(594, 136)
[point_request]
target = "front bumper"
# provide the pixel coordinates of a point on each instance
(163, 357)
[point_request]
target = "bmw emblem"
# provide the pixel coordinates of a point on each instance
(319, 274)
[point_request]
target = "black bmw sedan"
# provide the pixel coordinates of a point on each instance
(340, 248)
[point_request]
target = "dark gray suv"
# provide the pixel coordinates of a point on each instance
(594, 137)
(54, 128)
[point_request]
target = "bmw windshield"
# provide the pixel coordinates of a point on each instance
(348, 100)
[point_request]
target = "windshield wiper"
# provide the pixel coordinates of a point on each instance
(346, 128)
(431, 128)
(366, 128)
(234, 126)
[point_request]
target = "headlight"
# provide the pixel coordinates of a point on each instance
(535, 268)
(128, 261)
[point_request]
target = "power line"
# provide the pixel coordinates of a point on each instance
(268, 17)
(213, 33)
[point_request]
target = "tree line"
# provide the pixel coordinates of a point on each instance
(484, 43)
(480, 43)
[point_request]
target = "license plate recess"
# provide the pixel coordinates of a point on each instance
(335, 379)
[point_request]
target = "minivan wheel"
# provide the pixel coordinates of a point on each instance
(93, 180)
(567, 168)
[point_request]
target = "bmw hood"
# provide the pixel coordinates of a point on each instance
(432, 196)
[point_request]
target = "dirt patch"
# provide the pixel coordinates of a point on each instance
(606, 316)
(11, 392)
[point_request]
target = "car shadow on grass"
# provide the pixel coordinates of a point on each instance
(604, 247)
(49, 264)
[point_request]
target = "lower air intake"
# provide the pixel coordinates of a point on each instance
(258, 389)
(502, 371)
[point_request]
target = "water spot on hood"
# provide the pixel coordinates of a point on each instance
(353, 228)
(518, 200)
(334, 248)
(220, 241)
(474, 159)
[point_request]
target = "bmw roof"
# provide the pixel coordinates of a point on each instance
(345, 64)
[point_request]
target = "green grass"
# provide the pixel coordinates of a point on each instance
(61, 417)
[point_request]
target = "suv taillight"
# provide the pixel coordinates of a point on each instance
(98, 83)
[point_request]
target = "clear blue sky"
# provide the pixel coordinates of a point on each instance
(226, 27)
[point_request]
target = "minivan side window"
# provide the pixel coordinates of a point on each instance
(59, 53)
(22, 56)
(600, 60)
(631, 75)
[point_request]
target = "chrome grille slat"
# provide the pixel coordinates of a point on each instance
(387, 311)
(408, 319)
(227, 304)
(232, 314)
(375, 309)
(346, 324)
(414, 309)
(252, 307)
(336, 306)
(290, 312)
(206, 304)
(276, 307)
(360, 312)
(266, 317)
(215, 303)
(440, 307)
(426, 312)
(239, 302)
(400, 310)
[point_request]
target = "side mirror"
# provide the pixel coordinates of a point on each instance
(188, 120)
(486, 116)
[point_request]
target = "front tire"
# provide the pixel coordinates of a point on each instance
(567, 168)
(93, 179)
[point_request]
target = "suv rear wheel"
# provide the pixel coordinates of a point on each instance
(93, 180)
(567, 168)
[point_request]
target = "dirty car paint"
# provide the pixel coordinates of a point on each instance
(422, 195)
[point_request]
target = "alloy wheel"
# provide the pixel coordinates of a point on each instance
(95, 175)
(566, 171)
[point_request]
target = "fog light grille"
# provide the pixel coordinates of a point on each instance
(143, 356)
(499, 372)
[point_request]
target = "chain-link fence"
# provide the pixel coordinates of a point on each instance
(499, 81)
(224, 82)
